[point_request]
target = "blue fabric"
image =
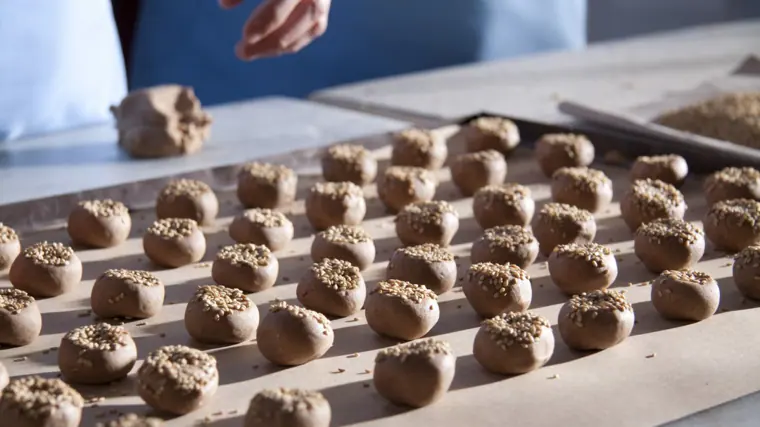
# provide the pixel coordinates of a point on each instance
(192, 42)
(60, 65)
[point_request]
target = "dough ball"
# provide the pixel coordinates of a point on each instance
(287, 407)
(648, 200)
(188, 198)
(333, 287)
(418, 147)
(746, 272)
(133, 420)
(290, 335)
(99, 223)
(582, 267)
(10, 246)
(96, 354)
(161, 121)
(403, 185)
(668, 168)
(732, 183)
(505, 204)
(514, 343)
(491, 133)
(265, 185)
(427, 222)
(46, 270)
(732, 225)
(174, 242)
(252, 268)
(401, 310)
(685, 295)
(220, 315)
(20, 318)
(669, 244)
(415, 374)
(4, 377)
(505, 244)
(33, 401)
(348, 162)
(130, 294)
(492, 289)
(177, 379)
(427, 264)
(596, 320)
(347, 242)
(558, 224)
(262, 226)
(335, 203)
(472, 171)
(586, 188)
(559, 150)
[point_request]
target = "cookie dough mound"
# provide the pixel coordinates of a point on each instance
(35, 401)
(161, 121)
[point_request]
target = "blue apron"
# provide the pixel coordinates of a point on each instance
(191, 42)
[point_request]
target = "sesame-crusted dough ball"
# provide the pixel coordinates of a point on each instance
(685, 295)
(586, 188)
(10, 246)
(415, 374)
(174, 242)
(177, 379)
(505, 204)
(668, 168)
(558, 150)
(491, 133)
(596, 320)
(492, 289)
(669, 244)
(262, 226)
(401, 310)
(427, 222)
(648, 200)
(333, 287)
(252, 268)
(505, 244)
(220, 315)
(132, 420)
(290, 335)
(335, 203)
(746, 272)
(20, 318)
(188, 198)
(99, 223)
(96, 354)
(427, 264)
(266, 185)
(284, 407)
(732, 183)
(4, 377)
(33, 401)
(347, 242)
(584, 267)
(558, 224)
(514, 343)
(46, 270)
(127, 293)
(472, 171)
(399, 186)
(418, 147)
(349, 162)
(732, 225)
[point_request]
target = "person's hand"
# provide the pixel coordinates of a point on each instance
(280, 26)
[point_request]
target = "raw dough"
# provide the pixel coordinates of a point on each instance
(349, 162)
(491, 133)
(746, 272)
(20, 318)
(685, 295)
(418, 147)
(252, 268)
(46, 270)
(648, 200)
(596, 320)
(514, 343)
(558, 223)
(401, 310)
(335, 203)
(492, 289)
(99, 223)
(174, 242)
(669, 168)
(96, 354)
(266, 185)
(427, 264)
(333, 287)
(732, 225)
(557, 150)
(505, 244)
(584, 267)
(34, 401)
(10, 246)
(347, 242)
(220, 315)
(505, 204)
(262, 226)
(427, 222)
(188, 198)
(732, 183)
(472, 171)
(399, 186)
(669, 244)
(287, 407)
(290, 335)
(586, 188)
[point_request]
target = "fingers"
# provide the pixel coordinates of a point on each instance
(229, 4)
(266, 18)
(246, 53)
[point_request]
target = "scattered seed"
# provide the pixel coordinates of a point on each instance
(351, 356)
(553, 377)
(650, 356)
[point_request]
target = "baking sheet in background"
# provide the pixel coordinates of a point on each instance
(695, 366)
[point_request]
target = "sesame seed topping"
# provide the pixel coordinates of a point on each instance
(422, 213)
(748, 257)
(591, 252)
(606, 300)
(662, 160)
(14, 300)
(582, 178)
(408, 174)
(105, 208)
(509, 194)
(49, 254)
(133, 277)
(296, 311)
(497, 279)
(267, 172)
(426, 348)
(337, 190)
(268, 404)
(265, 217)
(173, 228)
(221, 300)
(655, 195)
(337, 274)
(429, 252)
(345, 234)
(7, 234)
(737, 211)
(184, 369)
(404, 290)
(569, 141)
(245, 254)
(670, 228)
(496, 126)
(735, 176)
(133, 420)
(38, 397)
(523, 328)
(348, 153)
(507, 237)
(480, 156)
(184, 187)
(421, 139)
(101, 336)
(560, 213)
(688, 276)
